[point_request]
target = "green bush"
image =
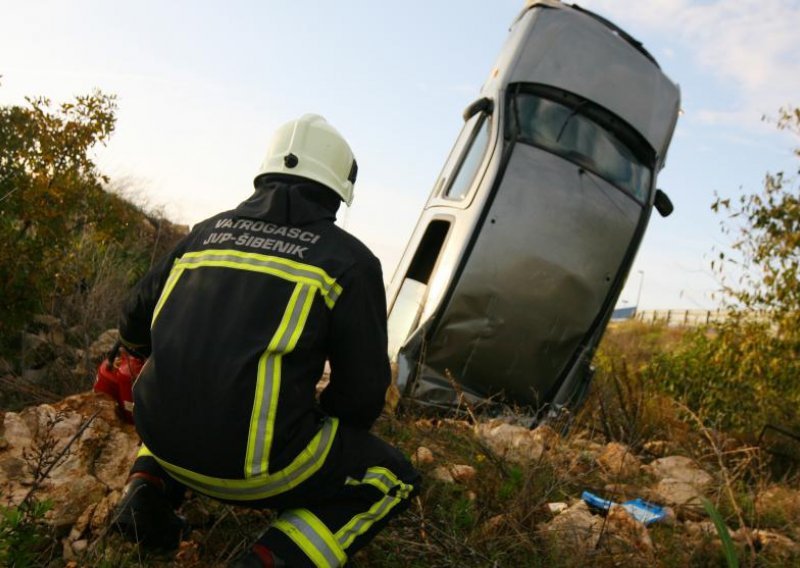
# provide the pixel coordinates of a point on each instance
(23, 534)
(741, 377)
(61, 227)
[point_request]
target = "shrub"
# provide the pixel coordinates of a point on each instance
(24, 537)
(741, 377)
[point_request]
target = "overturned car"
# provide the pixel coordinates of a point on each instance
(522, 250)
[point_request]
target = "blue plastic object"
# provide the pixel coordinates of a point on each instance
(639, 509)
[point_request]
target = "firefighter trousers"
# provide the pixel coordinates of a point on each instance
(363, 483)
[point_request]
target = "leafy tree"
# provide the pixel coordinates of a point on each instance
(768, 243)
(52, 203)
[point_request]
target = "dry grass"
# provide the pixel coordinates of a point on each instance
(495, 518)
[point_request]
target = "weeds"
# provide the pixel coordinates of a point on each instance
(24, 535)
(498, 517)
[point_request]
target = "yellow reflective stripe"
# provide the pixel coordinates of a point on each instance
(265, 408)
(312, 536)
(383, 480)
(302, 467)
(267, 423)
(361, 523)
(376, 483)
(144, 452)
(262, 418)
(292, 264)
(172, 279)
(281, 267)
(298, 330)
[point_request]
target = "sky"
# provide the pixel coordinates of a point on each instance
(202, 85)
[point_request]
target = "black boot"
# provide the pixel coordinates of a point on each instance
(145, 515)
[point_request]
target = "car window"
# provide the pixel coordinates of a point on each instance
(569, 131)
(464, 174)
(410, 301)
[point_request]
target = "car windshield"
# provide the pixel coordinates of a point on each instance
(573, 129)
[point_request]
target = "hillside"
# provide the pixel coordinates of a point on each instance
(495, 493)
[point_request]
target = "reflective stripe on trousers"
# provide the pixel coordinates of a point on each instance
(326, 549)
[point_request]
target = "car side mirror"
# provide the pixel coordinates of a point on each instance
(484, 104)
(663, 204)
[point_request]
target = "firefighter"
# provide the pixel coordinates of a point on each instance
(237, 323)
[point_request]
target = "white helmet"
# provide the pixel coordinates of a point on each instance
(309, 147)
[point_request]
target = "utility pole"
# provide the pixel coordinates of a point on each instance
(641, 284)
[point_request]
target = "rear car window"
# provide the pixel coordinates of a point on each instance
(579, 131)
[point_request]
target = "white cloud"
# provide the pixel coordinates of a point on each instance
(752, 45)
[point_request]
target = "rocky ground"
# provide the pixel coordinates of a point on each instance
(54, 360)
(75, 454)
(678, 483)
(495, 493)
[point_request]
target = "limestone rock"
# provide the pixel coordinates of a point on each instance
(548, 437)
(681, 481)
(71, 499)
(513, 443)
(442, 474)
(49, 328)
(462, 473)
(461, 425)
(575, 529)
(657, 448)
(103, 345)
(701, 529)
(423, 456)
(680, 468)
(36, 350)
(587, 445)
(85, 482)
(768, 542)
(454, 473)
(625, 537)
(101, 514)
(618, 460)
(678, 493)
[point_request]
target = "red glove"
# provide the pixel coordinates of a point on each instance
(115, 377)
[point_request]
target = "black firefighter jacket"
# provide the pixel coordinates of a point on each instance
(239, 320)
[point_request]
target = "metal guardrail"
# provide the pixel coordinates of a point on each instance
(683, 317)
(690, 318)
